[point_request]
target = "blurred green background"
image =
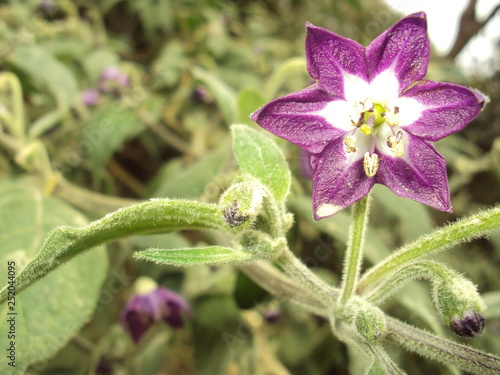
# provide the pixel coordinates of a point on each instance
(192, 69)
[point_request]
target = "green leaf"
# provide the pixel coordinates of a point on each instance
(195, 256)
(105, 133)
(52, 311)
(171, 62)
(224, 95)
(95, 62)
(258, 156)
(47, 71)
(249, 100)
(151, 217)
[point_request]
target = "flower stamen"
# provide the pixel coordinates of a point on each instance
(370, 164)
(392, 117)
(396, 144)
(350, 144)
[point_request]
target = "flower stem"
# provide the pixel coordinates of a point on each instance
(411, 338)
(299, 272)
(354, 256)
(461, 231)
(15, 121)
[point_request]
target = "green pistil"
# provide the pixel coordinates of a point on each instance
(377, 114)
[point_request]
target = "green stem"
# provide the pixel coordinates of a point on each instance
(354, 253)
(413, 339)
(155, 216)
(427, 269)
(461, 231)
(444, 351)
(299, 272)
(276, 283)
(10, 83)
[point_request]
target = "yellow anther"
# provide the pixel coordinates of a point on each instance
(350, 144)
(370, 164)
(366, 129)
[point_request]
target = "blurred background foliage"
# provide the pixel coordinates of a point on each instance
(183, 72)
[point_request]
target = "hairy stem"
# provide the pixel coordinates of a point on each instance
(428, 345)
(354, 254)
(413, 339)
(461, 231)
(299, 272)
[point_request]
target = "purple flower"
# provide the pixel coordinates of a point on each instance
(160, 304)
(371, 117)
(90, 97)
(113, 81)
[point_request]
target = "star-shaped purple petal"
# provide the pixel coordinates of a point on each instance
(371, 117)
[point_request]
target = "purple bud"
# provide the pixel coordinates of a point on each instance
(233, 216)
(143, 310)
(470, 326)
(90, 97)
(200, 94)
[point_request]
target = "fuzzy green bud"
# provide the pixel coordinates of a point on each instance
(242, 202)
(368, 319)
(260, 243)
(460, 306)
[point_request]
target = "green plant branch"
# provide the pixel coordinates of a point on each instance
(426, 269)
(10, 82)
(303, 275)
(444, 351)
(151, 217)
(280, 286)
(413, 339)
(461, 231)
(354, 254)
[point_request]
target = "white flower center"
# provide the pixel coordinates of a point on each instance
(373, 117)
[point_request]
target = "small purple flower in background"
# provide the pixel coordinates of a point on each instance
(113, 81)
(90, 98)
(371, 117)
(272, 315)
(49, 7)
(151, 305)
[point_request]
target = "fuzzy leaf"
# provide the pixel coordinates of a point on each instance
(50, 312)
(223, 94)
(46, 70)
(249, 100)
(258, 156)
(151, 217)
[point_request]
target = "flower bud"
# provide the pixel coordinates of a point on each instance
(242, 202)
(471, 324)
(460, 306)
(368, 319)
